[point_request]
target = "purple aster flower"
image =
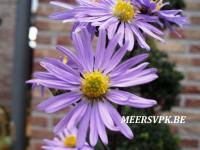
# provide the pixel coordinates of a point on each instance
(69, 16)
(64, 141)
(169, 17)
(117, 17)
(91, 86)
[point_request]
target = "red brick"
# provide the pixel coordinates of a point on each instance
(189, 143)
(170, 47)
(43, 39)
(45, 10)
(194, 76)
(191, 34)
(195, 20)
(38, 121)
(34, 104)
(37, 67)
(179, 31)
(7, 17)
(191, 89)
(35, 145)
(195, 49)
(36, 93)
(64, 40)
(49, 25)
(41, 134)
(186, 34)
(196, 61)
(41, 53)
(180, 60)
(38, 146)
(193, 5)
(192, 103)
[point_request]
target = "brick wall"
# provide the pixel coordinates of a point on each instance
(50, 34)
(7, 23)
(184, 52)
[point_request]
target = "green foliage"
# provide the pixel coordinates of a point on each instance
(175, 4)
(166, 88)
(148, 137)
(5, 143)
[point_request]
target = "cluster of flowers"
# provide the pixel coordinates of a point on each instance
(91, 81)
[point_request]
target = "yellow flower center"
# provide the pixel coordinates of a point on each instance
(123, 10)
(94, 85)
(158, 3)
(65, 60)
(70, 141)
(154, 1)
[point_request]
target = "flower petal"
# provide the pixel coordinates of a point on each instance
(128, 64)
(93, 129)
(118, 121)
(105, 117)
(62, 124)
(83, 128)
(101, 128)
(59, 102)
(135, 81)
(64, 5)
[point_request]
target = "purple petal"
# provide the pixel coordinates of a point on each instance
(110, 50)
(83, 128)
(112, 30)
(53, 83)
(108, 23)
(68, 15)
(60, 4)
(146, 30)
(129, 37)
(135, 81)
(115, 60)
(76, 118)
(118, 95)
(59, 102)
(61, 65)
(139, 102)
(118, 121)
(62, 124)
(125, 98)
(121, 31)
(43, 75)
(105, 117)
(140, 38)
(78, 44)
(93, 129)
(85, 36)
(69, 54)
(128, 64)
(61, 74)
(100, 50)
(133, 72)
(100, 127)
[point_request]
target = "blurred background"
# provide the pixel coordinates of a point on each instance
(27, 36)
